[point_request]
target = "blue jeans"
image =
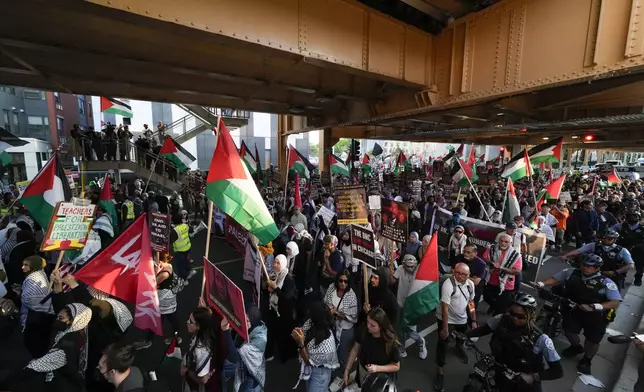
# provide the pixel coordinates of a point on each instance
(181, 264)
(346, 341)
(320, 380)
(228, 373)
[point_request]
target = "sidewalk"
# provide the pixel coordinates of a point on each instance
(623, 357)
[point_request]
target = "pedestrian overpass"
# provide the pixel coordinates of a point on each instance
(510, 73)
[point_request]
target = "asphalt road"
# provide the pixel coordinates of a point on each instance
(415, 374)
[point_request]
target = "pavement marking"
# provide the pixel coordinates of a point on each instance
(222, 262)
(422, 334)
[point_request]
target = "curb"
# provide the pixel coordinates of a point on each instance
(625, 357)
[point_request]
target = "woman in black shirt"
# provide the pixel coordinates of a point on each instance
(376, 347)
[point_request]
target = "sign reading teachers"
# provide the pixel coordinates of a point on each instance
(69, 226)
(159, 231)
(351, 205)
(362, 246)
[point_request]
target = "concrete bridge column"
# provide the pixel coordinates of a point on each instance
(326, 143)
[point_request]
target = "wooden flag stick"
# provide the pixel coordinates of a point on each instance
(60, 259)
(365, 281)
(211, 206)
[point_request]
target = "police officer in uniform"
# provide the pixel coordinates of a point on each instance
(127, 213)
(597, 297)
(617, 259)
(518, 344)
(180, 238)
(631, 237)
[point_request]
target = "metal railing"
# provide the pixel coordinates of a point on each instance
(180, 127)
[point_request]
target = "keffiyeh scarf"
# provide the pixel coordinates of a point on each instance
(324, 354)
(121, 313)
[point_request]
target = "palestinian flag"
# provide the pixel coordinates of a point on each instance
(471, 160)
(547, 152)
(553, 190)
(511, 205)
(459, 150)
(424, 295)
(43, 192)
(106, 201)
(298, 163)
(248, 158)
(173, 353)
(402, 159)
(463, 174)
(114, 106)
(230, 186)
(8, 140)
(260, 174)
(176, 154)
(613, 178)
(337, 166)
(518, 167)
(366, 163)
(377, 150)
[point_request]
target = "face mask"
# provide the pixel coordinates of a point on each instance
(60, 325)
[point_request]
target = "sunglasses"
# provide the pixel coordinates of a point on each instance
(345, 281)
(517, 316)
(459, 231)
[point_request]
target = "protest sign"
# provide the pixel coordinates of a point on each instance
(326, 214)
(362, 245)
(394, 217)
(159, 231)
(236, 235)
(483, 235)
(351, 205)
(226, 298)
(69, 227)
(374, 202)
(22, 185)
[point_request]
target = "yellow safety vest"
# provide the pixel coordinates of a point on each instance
(4, 211)
(130, 210)
(182, 244)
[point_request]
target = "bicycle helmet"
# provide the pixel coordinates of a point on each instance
(525, 301)
(611, 234)
(378, 382)
(592, 260)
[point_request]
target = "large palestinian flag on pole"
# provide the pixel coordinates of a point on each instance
(114, 106)
(553, 190)
(43, 192)
(106, 200)
(337, 166)
(230, 186)
(297, 162)
(176, 154)
(546, 152)
(424, 294)
(463, 174)
(511, 206)
(248, 158)
(518, 167)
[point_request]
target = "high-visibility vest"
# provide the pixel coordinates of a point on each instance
(130, 210)
(182, 244)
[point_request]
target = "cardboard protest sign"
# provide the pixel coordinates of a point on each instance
(226, 298)
(159, 225)
(236, 235)
(69, 227)
(351, 205)
(394, 220)
(362, 245)
(326, 214)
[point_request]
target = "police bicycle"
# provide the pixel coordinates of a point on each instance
(486, 368)
(555, 304)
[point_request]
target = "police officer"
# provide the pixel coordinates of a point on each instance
(617, 259)
(519, 345)
(127, 213)
(631, 237)
(597, 297)
(180, 238)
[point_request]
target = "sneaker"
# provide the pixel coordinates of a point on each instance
(584, 365)
(438, 384)
(191, 274)
(270, 358)
(403, 353)
(637, 281)
(336, 385)
(462, 354)
(422, 352)
(142, 345)
(572, 351)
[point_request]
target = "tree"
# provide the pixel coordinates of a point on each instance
(342, 146)
(314, 150)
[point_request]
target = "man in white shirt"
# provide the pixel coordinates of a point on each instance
(518, 238)
(457, 302)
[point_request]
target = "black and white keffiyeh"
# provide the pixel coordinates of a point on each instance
(56, 357)
(122, 314)
(348, 306)
(35, 288)
(324, 354)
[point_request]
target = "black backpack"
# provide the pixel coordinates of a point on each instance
(451, 277)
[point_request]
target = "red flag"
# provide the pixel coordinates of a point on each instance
(125, 269)
(471, 161)
(613, 178)
(297, 197)
(592, 190)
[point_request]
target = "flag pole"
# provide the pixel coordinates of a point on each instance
(529, 167)
(211, 207)
(458, 162)
(151, 172)
(505, 198)
(288, 158)
(60, 259)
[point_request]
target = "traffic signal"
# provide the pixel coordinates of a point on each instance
(355, 150)
(589, 138)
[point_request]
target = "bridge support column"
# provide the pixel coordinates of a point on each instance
(326, 143)
(282, 145)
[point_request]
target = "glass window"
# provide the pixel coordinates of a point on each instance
(34, 120)
(38, 126)
(5, 120)
(34, 94)
(60, 123)
(81, 105)
(16, 123)
(267, 143)
(57, 97)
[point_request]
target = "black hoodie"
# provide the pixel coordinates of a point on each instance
(383, 297)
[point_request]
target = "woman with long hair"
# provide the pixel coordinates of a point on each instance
(318, 355)
(343, 305)
(376, 347)
(199, 363)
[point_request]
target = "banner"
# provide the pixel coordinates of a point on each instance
(362, 245)
(483, 235)
(68, 227)
(159, 231)
(351, 205)
(394, 217)
(236, 235)
(226, 298)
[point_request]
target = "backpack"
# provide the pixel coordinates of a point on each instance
(451, 277)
